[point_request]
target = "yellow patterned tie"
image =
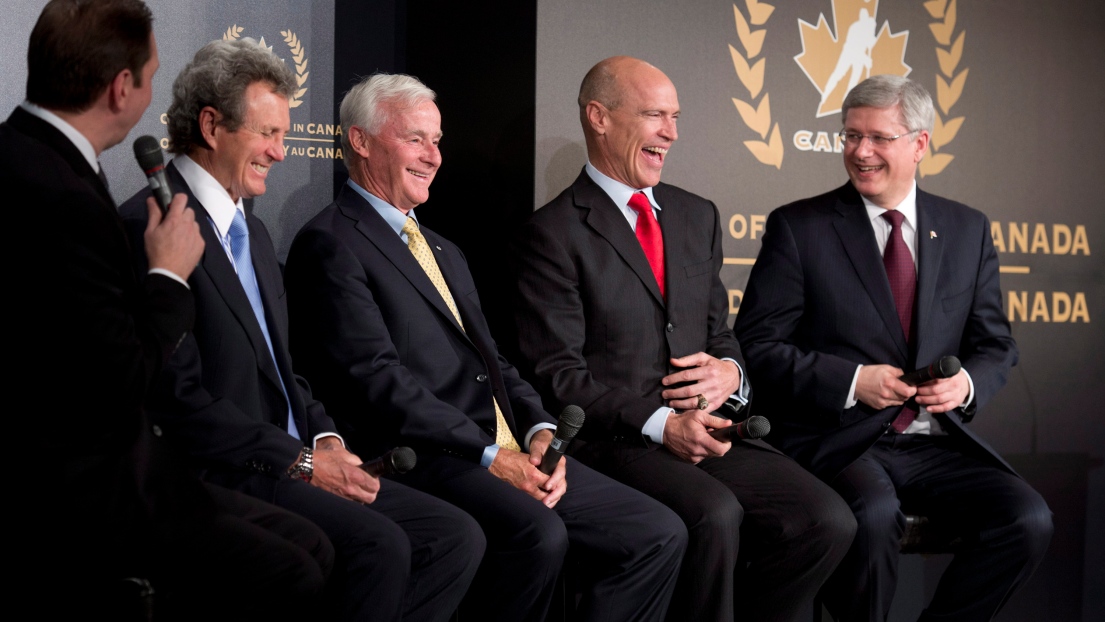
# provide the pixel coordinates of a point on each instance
(421, 251)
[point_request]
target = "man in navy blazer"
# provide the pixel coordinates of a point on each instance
(646, 349)
(230, 394)
(387, 324)
(851, 288)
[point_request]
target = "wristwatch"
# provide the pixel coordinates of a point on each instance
(304, 467)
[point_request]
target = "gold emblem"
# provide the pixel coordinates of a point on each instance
(299, 56)
(757, 118)
(947, 90)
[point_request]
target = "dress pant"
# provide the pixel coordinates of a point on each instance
(751, 507)
(628, 546)
(1005, 525)
(405, 556)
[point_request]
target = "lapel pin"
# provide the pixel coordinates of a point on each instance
(932, 234)
(439, 248)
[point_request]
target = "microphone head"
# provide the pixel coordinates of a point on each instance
(757, 427)
(571, 420)
(148, 152)
(947, 367)
(403, 459)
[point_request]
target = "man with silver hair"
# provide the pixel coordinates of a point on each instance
(387, 324)
(850, 289)
(231, 393)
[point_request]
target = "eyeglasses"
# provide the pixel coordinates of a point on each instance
(853, 139)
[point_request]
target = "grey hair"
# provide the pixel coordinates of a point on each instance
(218, 76)
(887, 91)
(362, 106)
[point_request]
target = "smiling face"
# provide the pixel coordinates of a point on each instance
(240, 159)
(631, 141)
(884, 175)
(399, 162)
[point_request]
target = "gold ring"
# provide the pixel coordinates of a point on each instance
(703, 403)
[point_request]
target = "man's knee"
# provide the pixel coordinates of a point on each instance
(715, 517)
(1033, 524)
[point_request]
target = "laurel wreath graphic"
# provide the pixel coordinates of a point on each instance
(299, 55)
(947, 90)
(757, 118)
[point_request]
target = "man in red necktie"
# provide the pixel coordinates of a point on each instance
(851, 288)
(620, 309)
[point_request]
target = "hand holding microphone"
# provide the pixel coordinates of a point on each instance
(943, 368)
(148, 153)
(571, 420)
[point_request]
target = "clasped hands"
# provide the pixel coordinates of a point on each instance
(687, 432)
(878, 387)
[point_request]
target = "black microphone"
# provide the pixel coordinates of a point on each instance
(571, 420)
(148, 153)
(944, 368)
(395, 462)
(752, 427)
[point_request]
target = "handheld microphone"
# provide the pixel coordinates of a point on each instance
(752, 427)
(395, 462)
(944, 368)
(148, 153)
(571, 420)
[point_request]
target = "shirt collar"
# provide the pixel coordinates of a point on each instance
(618, 192)
(210, 193)
(82, 144)
(907, 208)
(391, 214)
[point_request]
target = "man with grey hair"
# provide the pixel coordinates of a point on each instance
(851, 288)
(387, 324)
(230, 392)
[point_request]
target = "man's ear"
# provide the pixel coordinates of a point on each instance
(920, 145)
(597, 117)
(209, 125)
(119, 89)
(358, 140)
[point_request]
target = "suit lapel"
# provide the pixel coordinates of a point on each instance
(218, 268)
(607, 220)
(930, 251)
(855, 233)
(377, 230)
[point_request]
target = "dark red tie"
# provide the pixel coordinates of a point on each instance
(903, 284)
(648, 234)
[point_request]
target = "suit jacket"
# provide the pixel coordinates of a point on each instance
(593, 328)
(818, 303)
(382, 348)
(86, 343)
(220, 393)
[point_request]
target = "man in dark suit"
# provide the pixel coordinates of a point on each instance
(633, 329)
(104, 500)
(387, 323)
(850, 288)
(230, 392)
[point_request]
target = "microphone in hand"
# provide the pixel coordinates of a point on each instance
(571, 420)
(395, 462)
(752, 427)
(944, 368)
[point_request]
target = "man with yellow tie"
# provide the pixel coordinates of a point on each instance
(387, 325)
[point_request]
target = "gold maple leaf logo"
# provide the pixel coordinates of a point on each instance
(837, 63)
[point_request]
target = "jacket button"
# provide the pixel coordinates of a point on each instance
(481, 378)
(670, 327)
(156, 430)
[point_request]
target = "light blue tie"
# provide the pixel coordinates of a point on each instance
(243, 263)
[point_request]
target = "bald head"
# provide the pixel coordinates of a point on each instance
(628, 110)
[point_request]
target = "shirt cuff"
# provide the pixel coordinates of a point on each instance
(742, 392)
(852, 401)
(172, 275)
(534, 430)
(971, 393)
(488, 457)
(654, 427)
(314, 441)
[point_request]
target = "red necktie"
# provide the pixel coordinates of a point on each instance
(903, 284)
(648, 234)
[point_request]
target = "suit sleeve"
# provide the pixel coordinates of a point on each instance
(987, 349)
(720, 341)
(549, 312)
(771, 315)
(339, 327)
